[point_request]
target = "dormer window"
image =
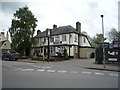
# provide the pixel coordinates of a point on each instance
(84, 40)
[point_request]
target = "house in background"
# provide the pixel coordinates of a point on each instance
(4, 42)
(63, 37)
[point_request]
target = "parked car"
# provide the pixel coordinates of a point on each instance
(10, 55)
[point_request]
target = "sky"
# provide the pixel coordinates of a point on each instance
(64, 12)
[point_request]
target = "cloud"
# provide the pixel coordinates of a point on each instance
(67, 12)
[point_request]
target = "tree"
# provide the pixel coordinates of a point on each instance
(113, 34)
(22, 30)
(97, 40)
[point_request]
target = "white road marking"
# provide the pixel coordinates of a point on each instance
(51, 70)
(35, 66)
(28, 69)
(4, 69)
(62, 71)
(41, 70)
(30, 63)
(86, 72)
(16, 68)
(74, 72)
(111, 74)
(45, 67)
(96, 73)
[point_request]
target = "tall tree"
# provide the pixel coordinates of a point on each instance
(97, 40)
(113, 34)
(22, 30)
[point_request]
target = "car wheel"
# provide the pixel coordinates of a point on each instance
(8, 58)
(15, 59)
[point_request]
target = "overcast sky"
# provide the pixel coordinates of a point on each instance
(65, 12)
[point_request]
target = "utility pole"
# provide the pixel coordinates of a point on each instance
(103, 42)
(43, 51)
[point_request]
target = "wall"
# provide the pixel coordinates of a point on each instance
(6, 45)
(86, 52)
(71, 41)
(82, 43)
(2, 37)
(75, 49)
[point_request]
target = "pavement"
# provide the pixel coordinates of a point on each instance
(82, 63)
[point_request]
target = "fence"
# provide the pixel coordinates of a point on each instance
(111, 55)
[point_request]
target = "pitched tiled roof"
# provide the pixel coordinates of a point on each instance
(59, 30)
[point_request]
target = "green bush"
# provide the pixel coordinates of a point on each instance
(24, 57)
(59, 54)
(65, 53)
(51, 57)
(34, 56)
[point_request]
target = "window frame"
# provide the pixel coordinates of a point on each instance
(64, 37)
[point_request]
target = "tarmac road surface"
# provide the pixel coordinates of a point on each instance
(52, 75)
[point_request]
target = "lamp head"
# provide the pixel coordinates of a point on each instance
(102, 16)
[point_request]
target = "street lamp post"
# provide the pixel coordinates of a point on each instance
(103, 41)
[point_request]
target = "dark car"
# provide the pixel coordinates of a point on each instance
(10, 55)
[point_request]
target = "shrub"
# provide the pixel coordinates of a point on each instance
(65, 53)
(59, 54)
(34, 57)
(24, 57)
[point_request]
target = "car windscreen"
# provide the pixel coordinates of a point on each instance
(12, 51)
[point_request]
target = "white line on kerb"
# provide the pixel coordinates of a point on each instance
(51, 70)
(41, 70)
(86, 72)
(99, 73)
(62, 71)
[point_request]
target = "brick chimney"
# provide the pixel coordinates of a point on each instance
(2, 33)
(78, 27)
(38, 32)
(54, 26)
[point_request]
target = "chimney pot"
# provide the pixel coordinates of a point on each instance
(54, 26)
(38, 32)
(2, 33)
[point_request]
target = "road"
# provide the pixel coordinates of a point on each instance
(0, 74)
(54, 75)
